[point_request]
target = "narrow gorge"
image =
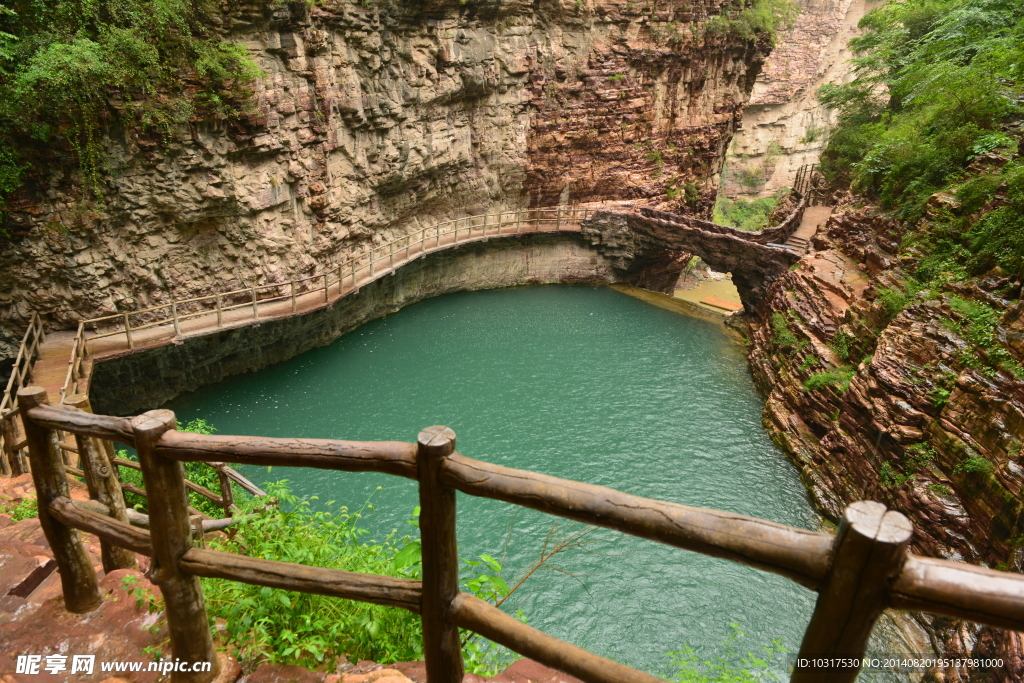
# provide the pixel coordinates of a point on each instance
(887, 342)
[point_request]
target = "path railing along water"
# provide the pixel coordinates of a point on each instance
(858, 573)
(164, 322)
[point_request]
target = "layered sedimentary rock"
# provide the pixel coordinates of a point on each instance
(924, 426)
(784, 125)
(374, 119)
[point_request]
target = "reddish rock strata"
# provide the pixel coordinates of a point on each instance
(918, 411)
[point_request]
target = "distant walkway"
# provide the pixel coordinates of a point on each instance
(65, 359)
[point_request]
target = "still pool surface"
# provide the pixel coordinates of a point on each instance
(577, 382)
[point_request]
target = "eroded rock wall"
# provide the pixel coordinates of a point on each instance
(919, 420)
(784, 125)
(374, 119)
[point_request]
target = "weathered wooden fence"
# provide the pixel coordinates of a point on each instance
(343, 278)
(810, 183)
(11, 440)
(857, 573)
(95, 463)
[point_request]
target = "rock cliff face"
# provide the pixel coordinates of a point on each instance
(912, 415)
(784, 126)
(373, 119)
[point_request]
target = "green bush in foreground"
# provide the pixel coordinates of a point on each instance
(196, 472)
(299, 628)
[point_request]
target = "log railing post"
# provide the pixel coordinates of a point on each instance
(441, 646)
(255, 305)
(294, 303)
(104, 486)
(227, 496)
(220, 312)
(5, 460)
(868, 553)
(128, 331)
(174, 316)
(77, 576)
(10, 432)
(171, 534)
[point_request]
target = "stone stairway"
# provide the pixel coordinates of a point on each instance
(814, 217)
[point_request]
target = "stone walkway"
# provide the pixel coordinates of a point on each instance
(814, 217)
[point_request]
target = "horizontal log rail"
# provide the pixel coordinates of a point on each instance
(858, 573)
(345, 277)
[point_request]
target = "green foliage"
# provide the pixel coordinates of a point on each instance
(196, 472)
(615, 78)
(26, 508)
(838, 377)
(783, 337)
(896, 299)
(145, 599)
(940, 489)
(809, 362)
(935, 82)
(979, 328)
(754, 19)
(297, 628)
(943, 388)
(692, 193)
(975, 464)
(70, 69)
(915, 458)
(841, 343)
(729, 667)
(291, 627)
(745, 214)
(890, 478)
(918, 456)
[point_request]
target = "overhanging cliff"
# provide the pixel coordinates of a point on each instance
(373, 119)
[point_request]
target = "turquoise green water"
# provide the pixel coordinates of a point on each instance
(577, 382)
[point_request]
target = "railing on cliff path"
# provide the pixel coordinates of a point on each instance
(98, 469)
(857, 573)
(810, 184)
(344, 278)
(11, 441)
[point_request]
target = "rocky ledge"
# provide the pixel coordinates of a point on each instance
(880, 393)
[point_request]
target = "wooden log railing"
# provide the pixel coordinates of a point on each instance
(863, 570)
(343, 278)
(12, 441)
